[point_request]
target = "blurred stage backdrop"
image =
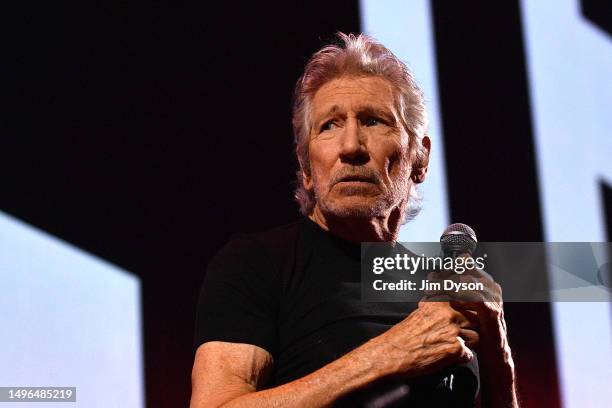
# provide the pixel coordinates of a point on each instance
(136, 137)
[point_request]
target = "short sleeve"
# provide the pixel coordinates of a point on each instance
(239, 297)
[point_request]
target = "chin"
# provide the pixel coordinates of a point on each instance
(352, 207)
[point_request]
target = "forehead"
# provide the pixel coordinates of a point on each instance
(349, 92)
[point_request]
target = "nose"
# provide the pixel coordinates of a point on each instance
(353, 144)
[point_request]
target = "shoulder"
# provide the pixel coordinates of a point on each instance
(281, 236)
(241, 290)
(265, 249)
(270, 242)
(276, 236)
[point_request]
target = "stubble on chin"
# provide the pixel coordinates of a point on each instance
(353, 206)
(367, 207)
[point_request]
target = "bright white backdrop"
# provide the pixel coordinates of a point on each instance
(68, 319)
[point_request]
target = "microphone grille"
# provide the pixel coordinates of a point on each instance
(458, 238)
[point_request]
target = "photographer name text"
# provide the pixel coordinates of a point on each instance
(446, 285)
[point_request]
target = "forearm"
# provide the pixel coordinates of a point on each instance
(318, 389)
(498, 384)
(427, 341)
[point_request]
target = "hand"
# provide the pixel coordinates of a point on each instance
(494, 350)
(484, 309)
(430, 339)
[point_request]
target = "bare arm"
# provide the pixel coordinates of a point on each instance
(230, 375)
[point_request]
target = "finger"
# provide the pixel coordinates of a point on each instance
(467, 354)
(437, 297)
(471, 337)
(462, 305)
(483, 309)
(471, 320)
(477, 289)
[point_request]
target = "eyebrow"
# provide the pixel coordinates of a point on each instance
(364, 110)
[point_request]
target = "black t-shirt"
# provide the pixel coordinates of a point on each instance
(295, 292)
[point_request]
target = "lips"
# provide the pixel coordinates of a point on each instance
(363, 179)
(357, 178)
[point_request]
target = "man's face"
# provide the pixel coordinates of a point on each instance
(358, 149)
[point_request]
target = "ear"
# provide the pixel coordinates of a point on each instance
(419, 171)
(307, 181)
(306, 177)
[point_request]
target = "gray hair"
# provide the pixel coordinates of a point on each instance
(357, 55)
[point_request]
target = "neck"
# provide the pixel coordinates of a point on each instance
(383, 228)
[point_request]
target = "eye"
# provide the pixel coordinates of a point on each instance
(328, 125)
(373, 122)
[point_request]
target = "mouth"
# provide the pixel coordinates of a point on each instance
(356, 179)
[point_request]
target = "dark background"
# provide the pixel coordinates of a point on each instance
(147, 133)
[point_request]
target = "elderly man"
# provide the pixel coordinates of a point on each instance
(280, 319)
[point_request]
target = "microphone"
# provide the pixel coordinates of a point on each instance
(458, 238)
(458, 383)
